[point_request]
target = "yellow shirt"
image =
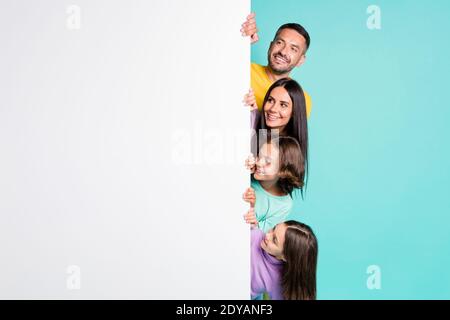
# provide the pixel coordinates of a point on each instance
(260, 83)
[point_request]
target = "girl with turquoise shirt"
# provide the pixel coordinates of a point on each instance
(276, 172)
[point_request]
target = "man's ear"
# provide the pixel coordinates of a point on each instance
(301, 61)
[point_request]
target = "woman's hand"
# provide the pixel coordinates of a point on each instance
(250, 218)
(250, 163)
(249, 28)
(250, 197)
(250, 100)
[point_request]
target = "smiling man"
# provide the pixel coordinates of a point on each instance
(286, 51)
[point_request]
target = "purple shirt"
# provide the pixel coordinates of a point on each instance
(265, 269)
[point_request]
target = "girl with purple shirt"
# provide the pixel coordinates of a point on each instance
(283, 261)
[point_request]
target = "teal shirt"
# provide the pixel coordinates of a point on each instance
(269, 209)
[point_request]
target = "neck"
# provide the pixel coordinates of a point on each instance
(273, 76)
(271, 187)
(282, 132)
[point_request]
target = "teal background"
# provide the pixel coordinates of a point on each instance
(378, 189)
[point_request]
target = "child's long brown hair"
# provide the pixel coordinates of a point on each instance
(291, 172)
(300, 251)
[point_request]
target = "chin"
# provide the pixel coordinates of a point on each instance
(258, 177)
(276, 125)
(265, 177)
(263, 245)
(273, 124)
(277, 69)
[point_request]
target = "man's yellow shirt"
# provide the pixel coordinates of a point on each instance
(260, 83)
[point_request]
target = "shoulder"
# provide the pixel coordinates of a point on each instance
(254, 183)
(257, 68)
(256, 236)
(289, 204)
(280, 207)
(285, 201)
(257, 187)
(307, 96)
(308, 103)
(276, 293)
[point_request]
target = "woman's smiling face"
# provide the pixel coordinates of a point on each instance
(278, 109)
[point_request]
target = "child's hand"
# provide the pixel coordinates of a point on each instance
(250, 218)
(250, 197)
(250, 100)
(250, 163)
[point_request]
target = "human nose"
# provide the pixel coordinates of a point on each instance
(283, 50)
(259, 162)
(274, 108)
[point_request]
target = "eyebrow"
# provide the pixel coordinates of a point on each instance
(294, 45)
(281, 101)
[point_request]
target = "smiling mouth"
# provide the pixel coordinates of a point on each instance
(280, 59)
(272, 117)
(260, 172)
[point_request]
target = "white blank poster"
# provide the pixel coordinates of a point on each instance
(122, 147)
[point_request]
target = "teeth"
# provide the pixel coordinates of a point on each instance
(280, 59)
(273, 118)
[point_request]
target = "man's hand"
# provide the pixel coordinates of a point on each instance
(250, 100)
(250, 196)
(249, 28)
(250, 218)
